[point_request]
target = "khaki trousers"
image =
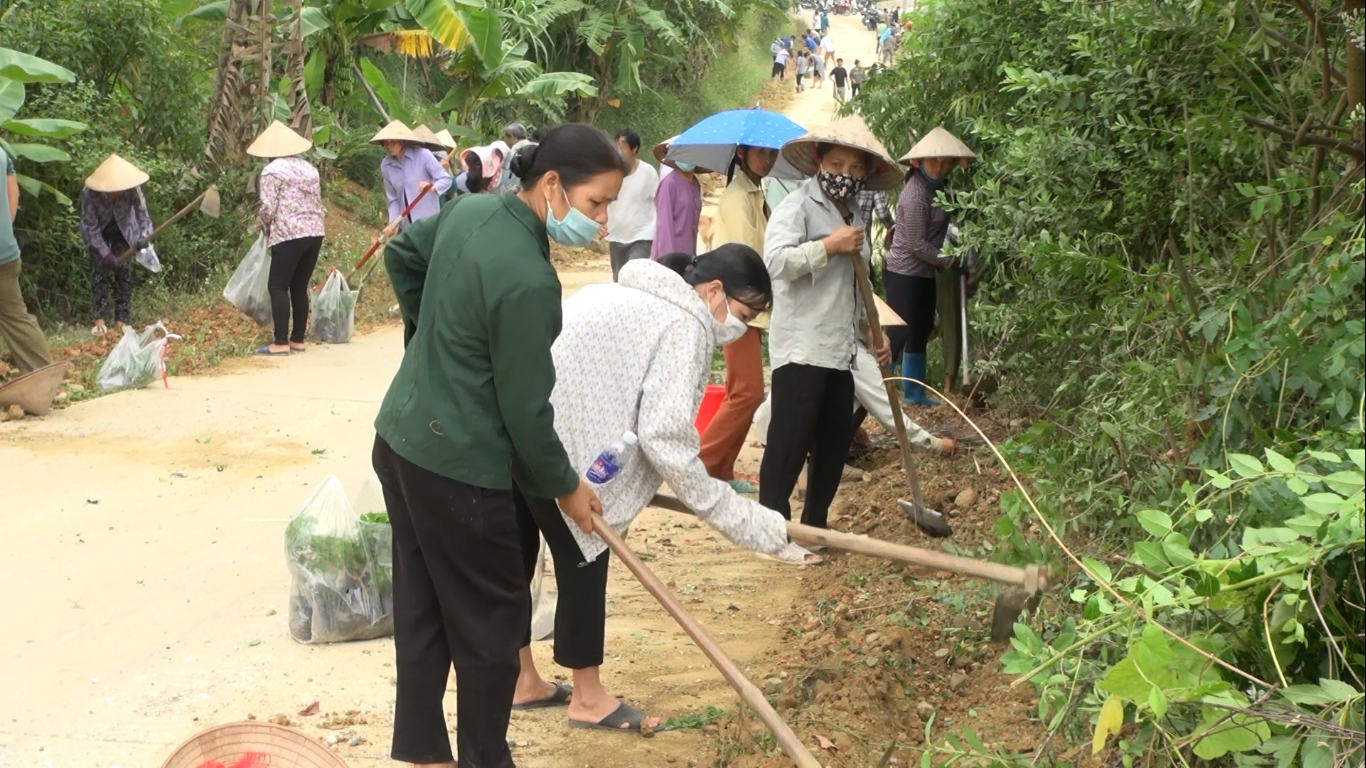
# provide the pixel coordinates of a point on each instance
(19, 329)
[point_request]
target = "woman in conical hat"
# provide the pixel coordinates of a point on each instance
(291, 215)
(809, 247)
(408, 169)
(678, 206)
(113, 217)
(914, 258)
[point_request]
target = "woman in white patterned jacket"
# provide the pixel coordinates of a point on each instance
(635, 356)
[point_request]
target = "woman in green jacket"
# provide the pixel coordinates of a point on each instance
(469, 411)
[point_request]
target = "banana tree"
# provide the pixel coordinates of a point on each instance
(489, 66)
(335, 31)
(17, 69)
(513, 75)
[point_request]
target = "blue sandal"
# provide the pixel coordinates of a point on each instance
(265, 352)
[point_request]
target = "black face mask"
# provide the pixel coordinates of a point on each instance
(839, 186)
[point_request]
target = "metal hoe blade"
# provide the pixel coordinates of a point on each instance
(209, 206)
(1010, 605)
(929, 521)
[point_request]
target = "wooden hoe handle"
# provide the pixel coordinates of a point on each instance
(893, 386)
(886, 550)
(180, 214)
(751, 695)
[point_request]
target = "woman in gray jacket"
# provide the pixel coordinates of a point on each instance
(812, 239)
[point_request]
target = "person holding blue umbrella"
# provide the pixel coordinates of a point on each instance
(744, 143)
(741, 217)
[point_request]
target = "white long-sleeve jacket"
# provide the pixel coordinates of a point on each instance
(635, 356)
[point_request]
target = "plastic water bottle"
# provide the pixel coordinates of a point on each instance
(610, 462)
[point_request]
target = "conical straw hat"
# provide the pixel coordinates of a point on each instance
(395, 131)
(115, 175)
(938, 143)
(228, 744)
(278, 140)
(846, 132)
(447, 140)
(427, 138)
(35, 390)
(661, 149)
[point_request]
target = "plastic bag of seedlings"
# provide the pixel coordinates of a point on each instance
(341, 569)
(249, 289)
(136, 361)
(378, 538)
(334, 311)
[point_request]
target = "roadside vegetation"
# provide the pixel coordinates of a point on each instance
(1170, 200)
(146, 86)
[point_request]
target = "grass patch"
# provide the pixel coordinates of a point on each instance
(695, 720)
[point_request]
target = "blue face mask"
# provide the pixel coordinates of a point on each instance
(684, 167)
(575, 230)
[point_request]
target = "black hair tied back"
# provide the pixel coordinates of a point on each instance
(576, 152)
(739, 268)
(522, 159)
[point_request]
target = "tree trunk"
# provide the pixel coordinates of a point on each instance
(1356, 78)
(300, 112)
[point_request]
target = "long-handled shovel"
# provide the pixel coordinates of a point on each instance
(379, 239)
(1030, 580)
(928, 520)
(207, 203)
(752, 696)
(963, 366)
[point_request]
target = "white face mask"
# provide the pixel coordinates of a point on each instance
(731, 330)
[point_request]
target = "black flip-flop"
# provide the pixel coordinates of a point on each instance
(624, 714)
(558, 698)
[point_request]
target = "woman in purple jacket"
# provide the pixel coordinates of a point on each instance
(678, 206)
(914, 258)
(408, 169)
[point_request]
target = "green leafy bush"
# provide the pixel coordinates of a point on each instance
(1176, 300)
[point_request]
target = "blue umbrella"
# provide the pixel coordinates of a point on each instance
(710, 144)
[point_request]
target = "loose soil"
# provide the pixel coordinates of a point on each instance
(880, 656)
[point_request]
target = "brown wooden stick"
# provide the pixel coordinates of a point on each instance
(886, 550)
(180, 214)
(865, 286)
(748, 691)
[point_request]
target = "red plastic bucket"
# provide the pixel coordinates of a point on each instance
(711, 403)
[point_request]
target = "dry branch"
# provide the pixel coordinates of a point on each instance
(1310, 140)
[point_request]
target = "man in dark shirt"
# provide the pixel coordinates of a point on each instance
(841, 77)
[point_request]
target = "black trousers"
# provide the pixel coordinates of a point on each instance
(119, 280)
(811, 417)
(581, 607)
(291, 267)
(853, 90)
(913, 298)
(620, 253)
(459, 597)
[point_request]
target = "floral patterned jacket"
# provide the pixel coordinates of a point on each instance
(291, 200)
